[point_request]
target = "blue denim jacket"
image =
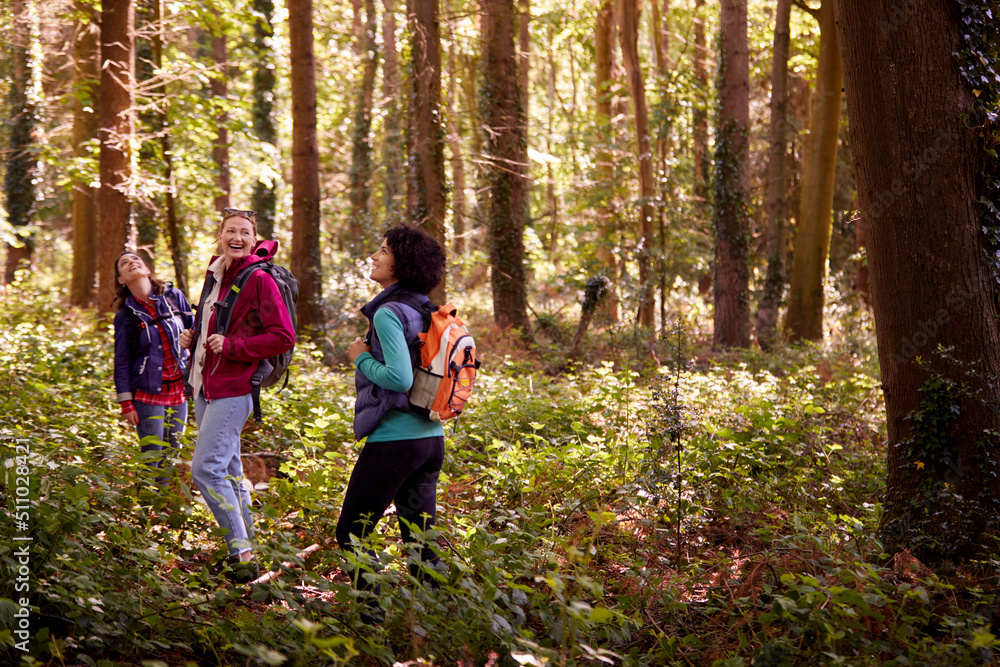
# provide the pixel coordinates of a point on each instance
(138, 348)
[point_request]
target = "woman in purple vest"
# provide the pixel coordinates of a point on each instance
(403, 453)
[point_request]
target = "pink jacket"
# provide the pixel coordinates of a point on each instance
(259, 329)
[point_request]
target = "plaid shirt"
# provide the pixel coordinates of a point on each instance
(173, 387)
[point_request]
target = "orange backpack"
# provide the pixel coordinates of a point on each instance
(442, 383)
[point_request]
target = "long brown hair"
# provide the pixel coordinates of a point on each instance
(123, 290)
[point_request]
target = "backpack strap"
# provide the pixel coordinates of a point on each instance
(225, 305)
(417, 302)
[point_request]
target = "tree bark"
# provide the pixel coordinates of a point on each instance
(504, 147)
(777, 183)
(85, 70)
(732, 220)
(22, 162)
(629, 35)
(916, 169)
(427, 147)
(604, 171)
(306, 256)
(361, 159)
(264, 199)
(117, 126)
(804, 320)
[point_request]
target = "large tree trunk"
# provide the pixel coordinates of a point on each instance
(264, 199)
(932, 289)
(605, 172)
(503, 151)
(361, 154)
(777, 184)
(732, 220)
(85, 71)
(306, 257)
(394, 148)
(812, 239)
(220, 148)
(117, 122)
(629, 35)
(427, 147)
(22, 163)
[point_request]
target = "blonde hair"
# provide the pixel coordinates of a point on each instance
(228, 213)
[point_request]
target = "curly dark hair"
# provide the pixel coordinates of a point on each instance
(417, 259)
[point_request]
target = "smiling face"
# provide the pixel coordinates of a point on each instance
(383, 265)
(236, 238)
(130, 267)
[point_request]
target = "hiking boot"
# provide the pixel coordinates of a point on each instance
(241, 572)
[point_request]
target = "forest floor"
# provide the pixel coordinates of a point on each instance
(716, 508)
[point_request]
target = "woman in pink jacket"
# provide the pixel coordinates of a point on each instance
(221, 368)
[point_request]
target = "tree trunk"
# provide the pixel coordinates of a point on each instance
(394, 149)
(916, 168)
(361, 154)
(427, 148)
(220, 149)
(306, 256)
(455, 131)
(264, 199)
(504, 148)
(630, 54)
(861, 282)
(777, 184)
(85, 70)
(732, 220)
(22, 162)
(812, 239)
(605, 172)
(117, 126)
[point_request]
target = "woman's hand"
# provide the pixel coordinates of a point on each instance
(356, 348)
(216, 342)
(132, 418)
(185, 339)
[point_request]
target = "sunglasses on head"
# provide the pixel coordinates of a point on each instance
(234, 212)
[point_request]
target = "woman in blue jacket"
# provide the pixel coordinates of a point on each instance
(149, 361)
(401, 460)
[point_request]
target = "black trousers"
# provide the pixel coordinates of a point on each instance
(404, 472)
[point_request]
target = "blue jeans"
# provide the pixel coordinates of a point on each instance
(159, 426)
(216, 467)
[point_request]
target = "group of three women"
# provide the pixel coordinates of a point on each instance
(159, 342)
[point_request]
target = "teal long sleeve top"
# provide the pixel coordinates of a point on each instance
(396, 374)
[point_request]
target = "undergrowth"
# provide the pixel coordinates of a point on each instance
(716, 510)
